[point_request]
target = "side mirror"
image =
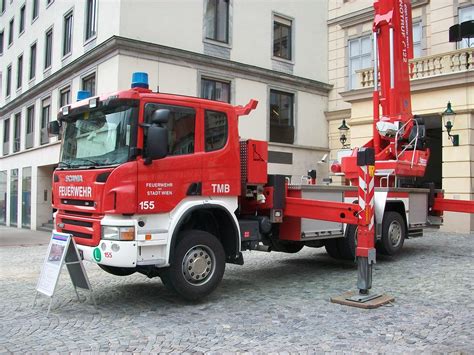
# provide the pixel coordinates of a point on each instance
(53, 128)
(157, 143)
(160, 116)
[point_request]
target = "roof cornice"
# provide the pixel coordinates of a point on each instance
(116, 44)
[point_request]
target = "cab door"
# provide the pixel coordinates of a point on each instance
(221, 168)
(165, 182)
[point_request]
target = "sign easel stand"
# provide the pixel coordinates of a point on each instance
(62, 250)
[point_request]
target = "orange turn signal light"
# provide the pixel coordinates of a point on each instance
(127, 233)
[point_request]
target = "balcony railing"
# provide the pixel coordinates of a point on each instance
(444, 63)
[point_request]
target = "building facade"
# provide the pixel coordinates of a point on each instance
(275, 52)
(441, 72)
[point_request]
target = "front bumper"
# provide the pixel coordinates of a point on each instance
(112, 253)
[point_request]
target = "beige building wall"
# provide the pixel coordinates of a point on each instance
(442, 73)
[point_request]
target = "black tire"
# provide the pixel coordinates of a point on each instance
(164, 276)
(332, 248)
(118, 271)
(286, 247)
(197, 265)
(393, 233)
(343, 248)
(347, 245)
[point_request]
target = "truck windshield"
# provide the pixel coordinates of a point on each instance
(97, 138)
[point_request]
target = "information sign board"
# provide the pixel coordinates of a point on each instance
(53, 263)
(62, 250)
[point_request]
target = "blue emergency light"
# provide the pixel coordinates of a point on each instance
(140, 80)
(83, 94)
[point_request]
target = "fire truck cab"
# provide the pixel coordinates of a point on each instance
(144, 176)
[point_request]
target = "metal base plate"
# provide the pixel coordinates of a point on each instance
(370, 301)
(363, 298)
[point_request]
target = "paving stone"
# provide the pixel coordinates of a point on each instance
(275, 303)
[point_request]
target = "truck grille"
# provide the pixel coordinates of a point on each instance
(87, 203)
(77, 234)
(76, 223)
(77, 213)
(86, 231)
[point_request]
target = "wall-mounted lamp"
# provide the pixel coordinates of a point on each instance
(448, 120)
(343, 130)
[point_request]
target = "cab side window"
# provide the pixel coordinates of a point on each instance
(181, 127)
(216, 130)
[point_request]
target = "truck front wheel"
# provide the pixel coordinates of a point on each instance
(393, 233)
(197, 265)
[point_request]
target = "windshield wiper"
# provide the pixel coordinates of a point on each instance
(89, 160)
(65, 164)
(72, 165)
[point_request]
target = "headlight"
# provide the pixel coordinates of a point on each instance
(118, 233)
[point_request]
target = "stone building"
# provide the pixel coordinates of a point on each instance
(273, 51)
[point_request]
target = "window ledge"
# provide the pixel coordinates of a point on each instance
(34, 20)
(283, 60)
(48, 5)
(47, 72)
(21, 33)
(217, 43)
(90, 40)
(66, 59)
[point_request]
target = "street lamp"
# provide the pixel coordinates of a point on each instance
(343, 130)
(448, 121)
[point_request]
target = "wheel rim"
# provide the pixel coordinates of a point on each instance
(198, 265)
(395, 233)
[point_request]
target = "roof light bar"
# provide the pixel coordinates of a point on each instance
(83, 94)
(140, 80)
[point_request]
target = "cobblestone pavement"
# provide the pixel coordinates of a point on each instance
(274, 303)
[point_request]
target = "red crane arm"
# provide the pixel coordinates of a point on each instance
(397, 153)
(443, 204)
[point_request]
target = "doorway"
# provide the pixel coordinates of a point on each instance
(434, 141)
(44, 211)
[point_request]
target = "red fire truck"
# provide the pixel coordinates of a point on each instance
(162, 184)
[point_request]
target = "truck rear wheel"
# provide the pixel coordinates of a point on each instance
(343, 248)
(118, 271)
(197, 265)
(286, 247)
(393, 233)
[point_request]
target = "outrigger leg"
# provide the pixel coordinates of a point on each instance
(365, 251)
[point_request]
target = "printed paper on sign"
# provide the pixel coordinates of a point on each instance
(52, 264)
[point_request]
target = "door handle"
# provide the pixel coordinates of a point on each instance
(195, 189)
